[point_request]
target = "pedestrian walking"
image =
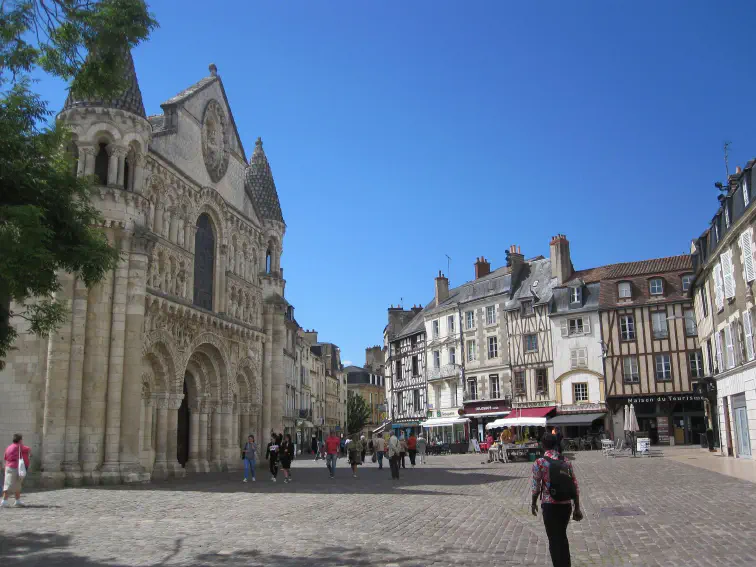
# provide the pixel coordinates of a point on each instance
(271, 453)
(250, 457)
(355, 454)
(402, 449)
(314, 447)
(558, 435)
(342, 445)
(285, 455)
(332, 452)
(379, 446)
(412, 448)
(364, 449)
(555, 483)
(422, 447)
(16, 464)
(394, 451)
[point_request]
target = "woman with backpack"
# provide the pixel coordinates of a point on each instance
(271, 453)
(286, 454)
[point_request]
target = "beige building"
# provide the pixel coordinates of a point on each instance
(167, 364)
(369, 382)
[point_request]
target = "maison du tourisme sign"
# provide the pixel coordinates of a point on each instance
(667, 398)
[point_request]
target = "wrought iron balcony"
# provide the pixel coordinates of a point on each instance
(445, 372)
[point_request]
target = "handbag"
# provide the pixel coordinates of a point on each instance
(21, 464)
(375, 458)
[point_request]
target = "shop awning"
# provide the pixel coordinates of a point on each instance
(575, 418)
(526, 417)
(489, 414)
(444, 421)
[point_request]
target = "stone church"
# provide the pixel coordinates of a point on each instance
(177, 355)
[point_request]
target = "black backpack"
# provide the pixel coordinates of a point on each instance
(561, 483)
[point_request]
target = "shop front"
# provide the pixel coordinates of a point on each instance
(447, 427)
(483, 412)
(406, 428)
(667, 419)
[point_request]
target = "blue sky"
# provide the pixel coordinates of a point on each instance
(400, 132)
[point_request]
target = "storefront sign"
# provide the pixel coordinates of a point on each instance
(662, 427)
(486, 407)
(446, 413)
(643, 445)
(667, 398)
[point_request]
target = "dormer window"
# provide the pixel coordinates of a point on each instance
(624, 291)
(656, 286)
(746, 196)
(687, 279)
(576, 295)
(727, 215)
(527, 308)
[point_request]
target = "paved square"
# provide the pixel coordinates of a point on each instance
(453, 512)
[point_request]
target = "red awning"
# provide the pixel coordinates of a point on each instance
(531, 412)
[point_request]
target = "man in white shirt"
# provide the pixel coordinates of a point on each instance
(379, 446)
(393, 451)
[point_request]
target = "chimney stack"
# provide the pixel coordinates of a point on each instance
(738, 170)
(514, 256)
(442, 288)
(561, 263)
(482, 267)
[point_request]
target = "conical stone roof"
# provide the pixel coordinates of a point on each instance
(130, 100)
(260, 185)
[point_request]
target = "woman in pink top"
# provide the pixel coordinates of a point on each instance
(12, 480)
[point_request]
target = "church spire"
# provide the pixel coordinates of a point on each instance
(260, 185)
(129, 100)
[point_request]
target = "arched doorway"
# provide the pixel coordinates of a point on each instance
(182, 441)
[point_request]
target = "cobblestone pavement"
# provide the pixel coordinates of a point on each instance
(455, 511)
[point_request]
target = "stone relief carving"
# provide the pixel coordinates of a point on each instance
(215, 148)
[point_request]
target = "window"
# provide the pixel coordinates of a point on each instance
(437, 396)
(436, 359)
(542, 386)
(728, 274)
(398, 369)
(627, 328)
(471, 354)
(576, 295)
(204, 263)
(452, 355)
(400, 401)
(579, 358)
(687, 279)
(659, 324)
(472, 388)
(577, 326)
(704, 302)
(493, 347)
(491, 315)
(435, 328)
(470, 319)
(744, 188)
(749, 274)
(527, 308)
(748, 335)
(493, 383)
(727, 214)
(531, 343)
(695, 360)
(729, 348)
(663, 367)
(720, 357)
(416, 400)
(690, 323)
(450, 324)
(415, 366)
(630, 370)
(656, 286)
(718, 287)
(102, 160)
(623, 289)
(453, 395)
(519, 382)
(580, 392)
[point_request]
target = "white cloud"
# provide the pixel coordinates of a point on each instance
(347, 363)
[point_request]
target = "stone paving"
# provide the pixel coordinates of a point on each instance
(456, 511)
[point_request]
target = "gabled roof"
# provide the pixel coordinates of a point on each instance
(260, 186)
(129, 100)
(633, 269)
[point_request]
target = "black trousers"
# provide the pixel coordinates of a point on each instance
(401, 457)
(274, 467)
(394, 463)
(556, 517)
(412, 453)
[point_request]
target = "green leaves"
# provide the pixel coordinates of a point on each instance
(358, 413)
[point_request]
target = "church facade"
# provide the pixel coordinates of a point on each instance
(175, 356)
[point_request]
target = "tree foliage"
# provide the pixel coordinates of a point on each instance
(47, 221)
(358, 413)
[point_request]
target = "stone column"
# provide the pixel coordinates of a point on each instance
(137, 178)
(160, 469)
(202, 438)
(188, 236)
(216, 463)
(147, 431)
(244, 410)
(95, 382)
(131, 393)
(267, 374)
(225, 442)
(193, 465)
(158, 223)
(278, 378)
(56, 391)
(173, 227)
(180, 233)
(174, 467)
(254, 426)
(111, 472)
(113, 165)
(121, 152)
(71, 464)
(87, 160)
(221, 279)
(234, 442)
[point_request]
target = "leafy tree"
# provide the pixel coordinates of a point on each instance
(47, 222)
(358, 413)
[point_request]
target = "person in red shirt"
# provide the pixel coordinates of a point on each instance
(13, 480)
(332, 452)
(412, 448)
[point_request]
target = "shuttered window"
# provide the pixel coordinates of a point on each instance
(720, 358)
(746, 197)
(728, 274)
(718, 287)
(729, 348)
(746, 246)
(748, 329)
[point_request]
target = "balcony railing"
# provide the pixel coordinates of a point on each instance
(479, 396)
(444, 372)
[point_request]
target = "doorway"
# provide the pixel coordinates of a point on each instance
(742, 435)
(182, 441)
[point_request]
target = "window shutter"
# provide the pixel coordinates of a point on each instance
(748, 327)
(737, 343)
(728, 275)
(749, 274)
(573, 358)
(720, 360)
(565, 328)
(718, 287)
(587, 325)
(729, 350)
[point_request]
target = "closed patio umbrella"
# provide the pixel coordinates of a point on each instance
(633, 419)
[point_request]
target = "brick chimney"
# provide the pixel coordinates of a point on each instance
(514, 256)
(482, 267)
(561, 263)
(442, 288)
(416, 309)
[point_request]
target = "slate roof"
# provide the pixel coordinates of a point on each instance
(416, 325)
(632, 269)
(497, 282)
(129, 100)
(561, 302)
(534, 281)
(189, 91)
(260, 186)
